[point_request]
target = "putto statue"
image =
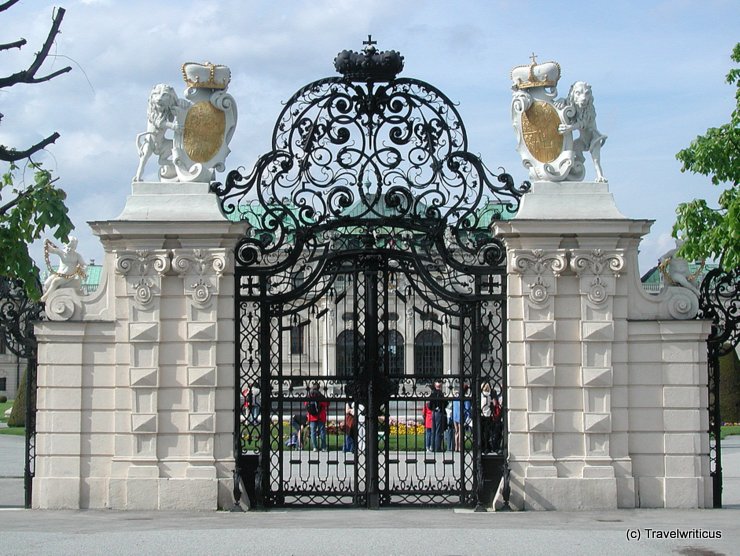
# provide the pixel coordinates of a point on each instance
(545, 125)
(676, 271)
(71, 271)
(202, 126)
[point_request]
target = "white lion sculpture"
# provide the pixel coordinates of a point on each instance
(162, 114)
(580, 115)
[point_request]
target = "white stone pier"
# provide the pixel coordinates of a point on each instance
(607, 388)
(136, 383)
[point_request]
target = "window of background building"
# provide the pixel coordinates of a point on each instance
(395, 348)
(297, 338)
(428, 353)
(349, 342)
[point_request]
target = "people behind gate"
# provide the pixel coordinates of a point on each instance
(498, 421)
(461, 413)
(316, 408)
(298, 422)
(491, 417)
(437, 405)
(426, 415)
(252, 402)
(350, 426)
(486, 418)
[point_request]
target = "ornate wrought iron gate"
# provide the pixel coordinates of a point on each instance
(17, 316)
(720, 303)
(368, 274)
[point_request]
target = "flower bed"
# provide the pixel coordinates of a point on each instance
(401, 427)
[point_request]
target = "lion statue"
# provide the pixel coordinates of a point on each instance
(580, 115)
(162, 114)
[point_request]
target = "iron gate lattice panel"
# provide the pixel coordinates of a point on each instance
(719, 302)
(18, 313)
(370, 272)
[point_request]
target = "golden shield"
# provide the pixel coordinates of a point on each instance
(540, 131)
(204, 131)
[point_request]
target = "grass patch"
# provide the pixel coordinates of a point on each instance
(729, 430)
(13, 431)
(335, 440)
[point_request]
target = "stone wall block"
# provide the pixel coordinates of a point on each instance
(597, 331)
(144, 423)
(679, 420)
(202, 376)
(681, 396)
(201, 422)
(540, 376)
(594, 377)
(650, 491)
(540, 422)
(682, 466)
(539, 330)
(683, 443)
(597, 422)
(144, 377)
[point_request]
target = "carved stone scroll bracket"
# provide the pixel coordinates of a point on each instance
(143, 271)
(680, 302)
(597, 261)
(594, 266)
(201, 271)
(63, 304)
(539, 263)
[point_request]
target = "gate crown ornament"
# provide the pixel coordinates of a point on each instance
(370, 64)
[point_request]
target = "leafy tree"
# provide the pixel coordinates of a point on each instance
(28, 208)
(709, 232)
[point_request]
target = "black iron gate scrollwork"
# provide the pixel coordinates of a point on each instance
(18, 313)
(368, 274)
(719, 302)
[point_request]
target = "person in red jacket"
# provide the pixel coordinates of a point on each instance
(316, 408)
(426, 415)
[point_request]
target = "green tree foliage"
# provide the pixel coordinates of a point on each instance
(33, 208)
(28, 207)
(709, 232)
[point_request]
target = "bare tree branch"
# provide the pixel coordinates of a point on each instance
(13, 155)
(9, 4)
(15, 201)
(17, 44)
(29, 75)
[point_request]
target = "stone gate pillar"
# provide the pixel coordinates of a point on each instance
(136, 382)
(602, 376)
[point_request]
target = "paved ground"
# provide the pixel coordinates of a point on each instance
(349, 532)
(12, 454)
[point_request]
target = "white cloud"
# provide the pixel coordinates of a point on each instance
(657, 72)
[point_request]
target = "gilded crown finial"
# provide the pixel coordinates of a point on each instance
(544, 74)
(206, 75)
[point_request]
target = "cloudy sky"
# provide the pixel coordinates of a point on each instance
(656, 67)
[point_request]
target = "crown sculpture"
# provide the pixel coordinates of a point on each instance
(545, 126)
(370, 64)
(201, 125)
